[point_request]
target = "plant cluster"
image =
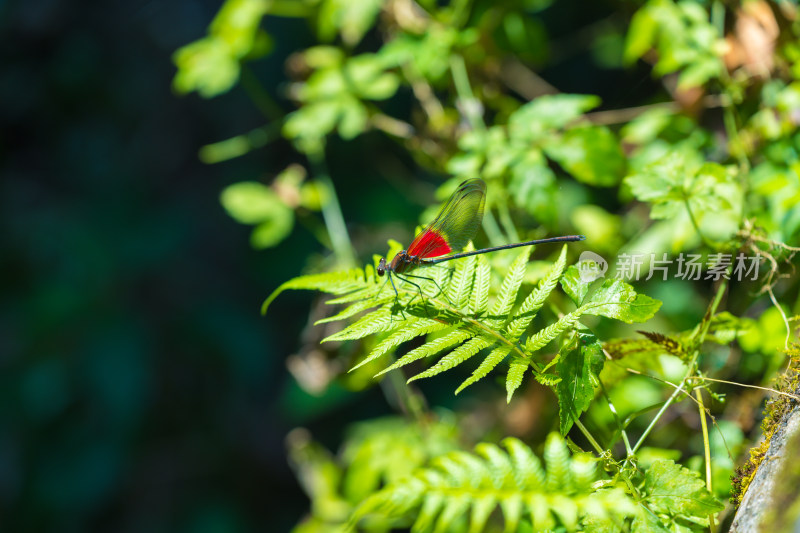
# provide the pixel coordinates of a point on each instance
(712, 168)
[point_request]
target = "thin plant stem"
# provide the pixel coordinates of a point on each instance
(464, 91)
(696, 225)
(410, 402)
(260, 96)
(332, 213)
(698, 340)
(491, 228)
(613, 410)
(600, 451)
(508, 224)
(707, 450)
(656, 418)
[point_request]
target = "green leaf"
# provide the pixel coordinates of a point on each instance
(486, 366)
(510, 289)
(618, 299)
(549, 112)
(353, 18)
(531, 305)
(455, 358)
(342, 282)
(274, 230)
(673, 489)
(574, 286)
(474, 485)
(250, 202)
(211, 65)
(579, 371)
(516, 372)
(592, 155)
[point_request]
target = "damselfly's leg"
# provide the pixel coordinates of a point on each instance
(383, 287)
(396, 297)
(441, 291)
(419, 290)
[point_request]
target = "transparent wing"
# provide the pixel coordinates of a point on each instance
(456, 223)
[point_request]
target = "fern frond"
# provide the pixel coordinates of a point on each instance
(351, 310)
(514, 378)
(556, 455)
(461, 283)
(413, 328)
(531, 305)
(340, 282)
(455, 358)
(527, 467)
(471, 486)
(435, 346)
(479, 302)
(544, 336)
(368, 324)
(458, 299)
(509, 289)
(486, 366)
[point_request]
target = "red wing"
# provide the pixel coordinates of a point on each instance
(456, 223)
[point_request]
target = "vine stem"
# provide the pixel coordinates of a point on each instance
(707, 450)
(699, 338)
(617, 420)
(600, 451)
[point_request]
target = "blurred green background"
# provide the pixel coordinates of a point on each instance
(141, 389)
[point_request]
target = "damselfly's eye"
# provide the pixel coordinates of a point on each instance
(381, 270)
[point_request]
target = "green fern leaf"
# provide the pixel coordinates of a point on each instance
(514, 378)
(432, 505)
(556, 457)
(413, 328)
(461, 282)
(527, 468)
(486, 366)
(479, 302)
(453, 511)
(378, 320)
(499, 464)
(331, 282)
(365, 293)
(535, 300)
(454, 358)
(435, 346)
(509, 289)
(482, 507)
(461, 486)
(512, 510)
(359, 306)
(544, 336)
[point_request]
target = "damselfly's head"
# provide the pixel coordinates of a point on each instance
(381, 266)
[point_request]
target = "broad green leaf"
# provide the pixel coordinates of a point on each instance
(592, 155)
(249, 202)
(579, 370)
(673, 489)
(618, 299)
(573, 285)
(549, 112)
(274, 230)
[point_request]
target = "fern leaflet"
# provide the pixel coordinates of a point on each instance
(472, 486)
